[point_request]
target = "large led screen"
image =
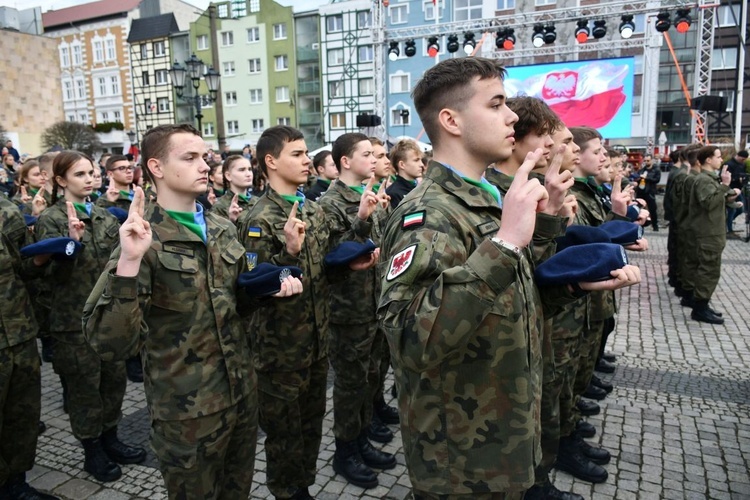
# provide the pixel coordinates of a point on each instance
(597, 93)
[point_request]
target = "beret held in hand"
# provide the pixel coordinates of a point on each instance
(266, 278)
(581, 264)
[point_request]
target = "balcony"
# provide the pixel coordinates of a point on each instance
(309, 118)
(306, 54)
(307, 88)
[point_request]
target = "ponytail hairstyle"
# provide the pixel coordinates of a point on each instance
(60, 166)
(228, 163)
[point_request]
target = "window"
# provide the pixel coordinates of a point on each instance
(80, 88)
(253, 35)
(282, 94)
(464, 10)
(279, 31)
(145, 81)
(366, 53)
(338, 120)
(254, 5)
(227, 38)
(636, 104)
(64, 57)
(506, 4)
(228, 68)
(253, 65)
(148, 108)
(239, 8)
(257, 126)
(256, 96)
(284, 121)
(208, 129)
(68, 90)
(230, 98)
(84, 118)
(233, 127)
(159, 49)
(400, 117)
(114, 81)
(117, 116)
(102, 87)
(399, 13)
(366, 86)
(335, 89)
(364, 19)
(640, 23)
(162, 104)
(335, 57)
(334, 23)
(71, 118)
(144, 51)
(540, 3)
(111, 55)
(77, 60)
(162, 76)
(724, 58)
(281, 62)
(201, 42)
(429, 10)
(399, 83)
(728, 15)
(223, 10)
(98, 51)
(104, 116)
(638, 64)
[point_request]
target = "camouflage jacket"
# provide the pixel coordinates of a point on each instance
(122, 202)
(72, 280)
(354, 300)
(221, 207)
(182, 312)
(463, 319)
(707, 215)
(17, 323)
(291, 333)
(26, 207)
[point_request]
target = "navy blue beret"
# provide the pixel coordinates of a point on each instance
(581, 264)
(633, 212)
(122, 215)
(59, 247)
(622, 232)
(580, 235)
(266, 278)
(348, 251)
(29, 219)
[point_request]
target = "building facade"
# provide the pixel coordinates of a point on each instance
(308, 105)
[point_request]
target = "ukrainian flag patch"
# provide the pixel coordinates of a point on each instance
(253, 232)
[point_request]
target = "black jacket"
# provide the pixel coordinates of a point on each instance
(400, 188)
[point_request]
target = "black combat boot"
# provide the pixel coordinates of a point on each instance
(48, 346)
(373, 457)
(378, 431)
(118, 451)
(41, 428)
(593, 392)
(348, 463)
(97, 463)
(386, 414)
(701, 312)
(585, 429)
(571, 460)
(549, 492)
(134, 369)
(604, 366)
(302, 494)
(599, 456)
(16, 488)
(588, 408)
(601, 384)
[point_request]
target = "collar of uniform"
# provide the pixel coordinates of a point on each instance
(455, 185)
(348, 194)
(582, 184)
(283, 204)
(62, 206)
(501, 180)
(168, 229)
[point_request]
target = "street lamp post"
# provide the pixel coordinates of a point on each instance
(193, 68)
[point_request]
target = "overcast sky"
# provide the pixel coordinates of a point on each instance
(61, 4)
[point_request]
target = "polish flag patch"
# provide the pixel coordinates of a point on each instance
(401, 262)
(415, 219)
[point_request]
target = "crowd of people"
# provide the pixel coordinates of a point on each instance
(483, 274)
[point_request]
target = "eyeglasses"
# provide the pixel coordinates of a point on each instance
(123, 169)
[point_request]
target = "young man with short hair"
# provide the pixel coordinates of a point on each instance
(120, 187)
(406, 160)
(326, 171)
(170, 292)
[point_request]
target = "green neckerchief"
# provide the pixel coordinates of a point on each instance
(94, 195)
(243, 197)
(218, 191)
(33, 191)
(83, 207)
(358, 189)
(585, 180)
(484, 186)
(187, 219)
(393, 178)
(291, 198)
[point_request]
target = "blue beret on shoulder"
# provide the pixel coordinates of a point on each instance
(633, 212)
(348, 251)
(622, 232)
(580, 235)
(58, 247)
(29, 219)
(122, 215)
(266, 278)
(581, 263)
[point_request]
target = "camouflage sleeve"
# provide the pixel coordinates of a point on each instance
(58, 270)
(435, 294)
(270, 244)
(113, 315)
(547, 228)
(103, 202)
(341, 228)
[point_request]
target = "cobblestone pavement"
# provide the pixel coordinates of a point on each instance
(677, 423)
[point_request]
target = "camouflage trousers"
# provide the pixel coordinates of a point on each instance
(291, 407)
(20, 405)
(95, 387)
(381, 359)
(354, 378)
(587, 355)
(706, 267)
(422, 495)
(211, 457)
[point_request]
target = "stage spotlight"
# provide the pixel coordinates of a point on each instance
(393, 51)
(452, 44)
(549, 34)
(582, 31)
(600, 29)
(662, 21)
(469, 43)
(682, 20)
(433, 47)
(627, 26)
(410, 48)
(537, 39)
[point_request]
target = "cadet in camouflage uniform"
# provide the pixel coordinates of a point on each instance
(459, 305)
(20, 378)
(705, 230)
(119, 193)
(351, 215)
(238, 181)
(170, 291)
(95, 388)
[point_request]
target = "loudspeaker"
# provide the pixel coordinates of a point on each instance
(368, 121)
(709, 103)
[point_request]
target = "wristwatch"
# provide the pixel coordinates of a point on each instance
(508, 246)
